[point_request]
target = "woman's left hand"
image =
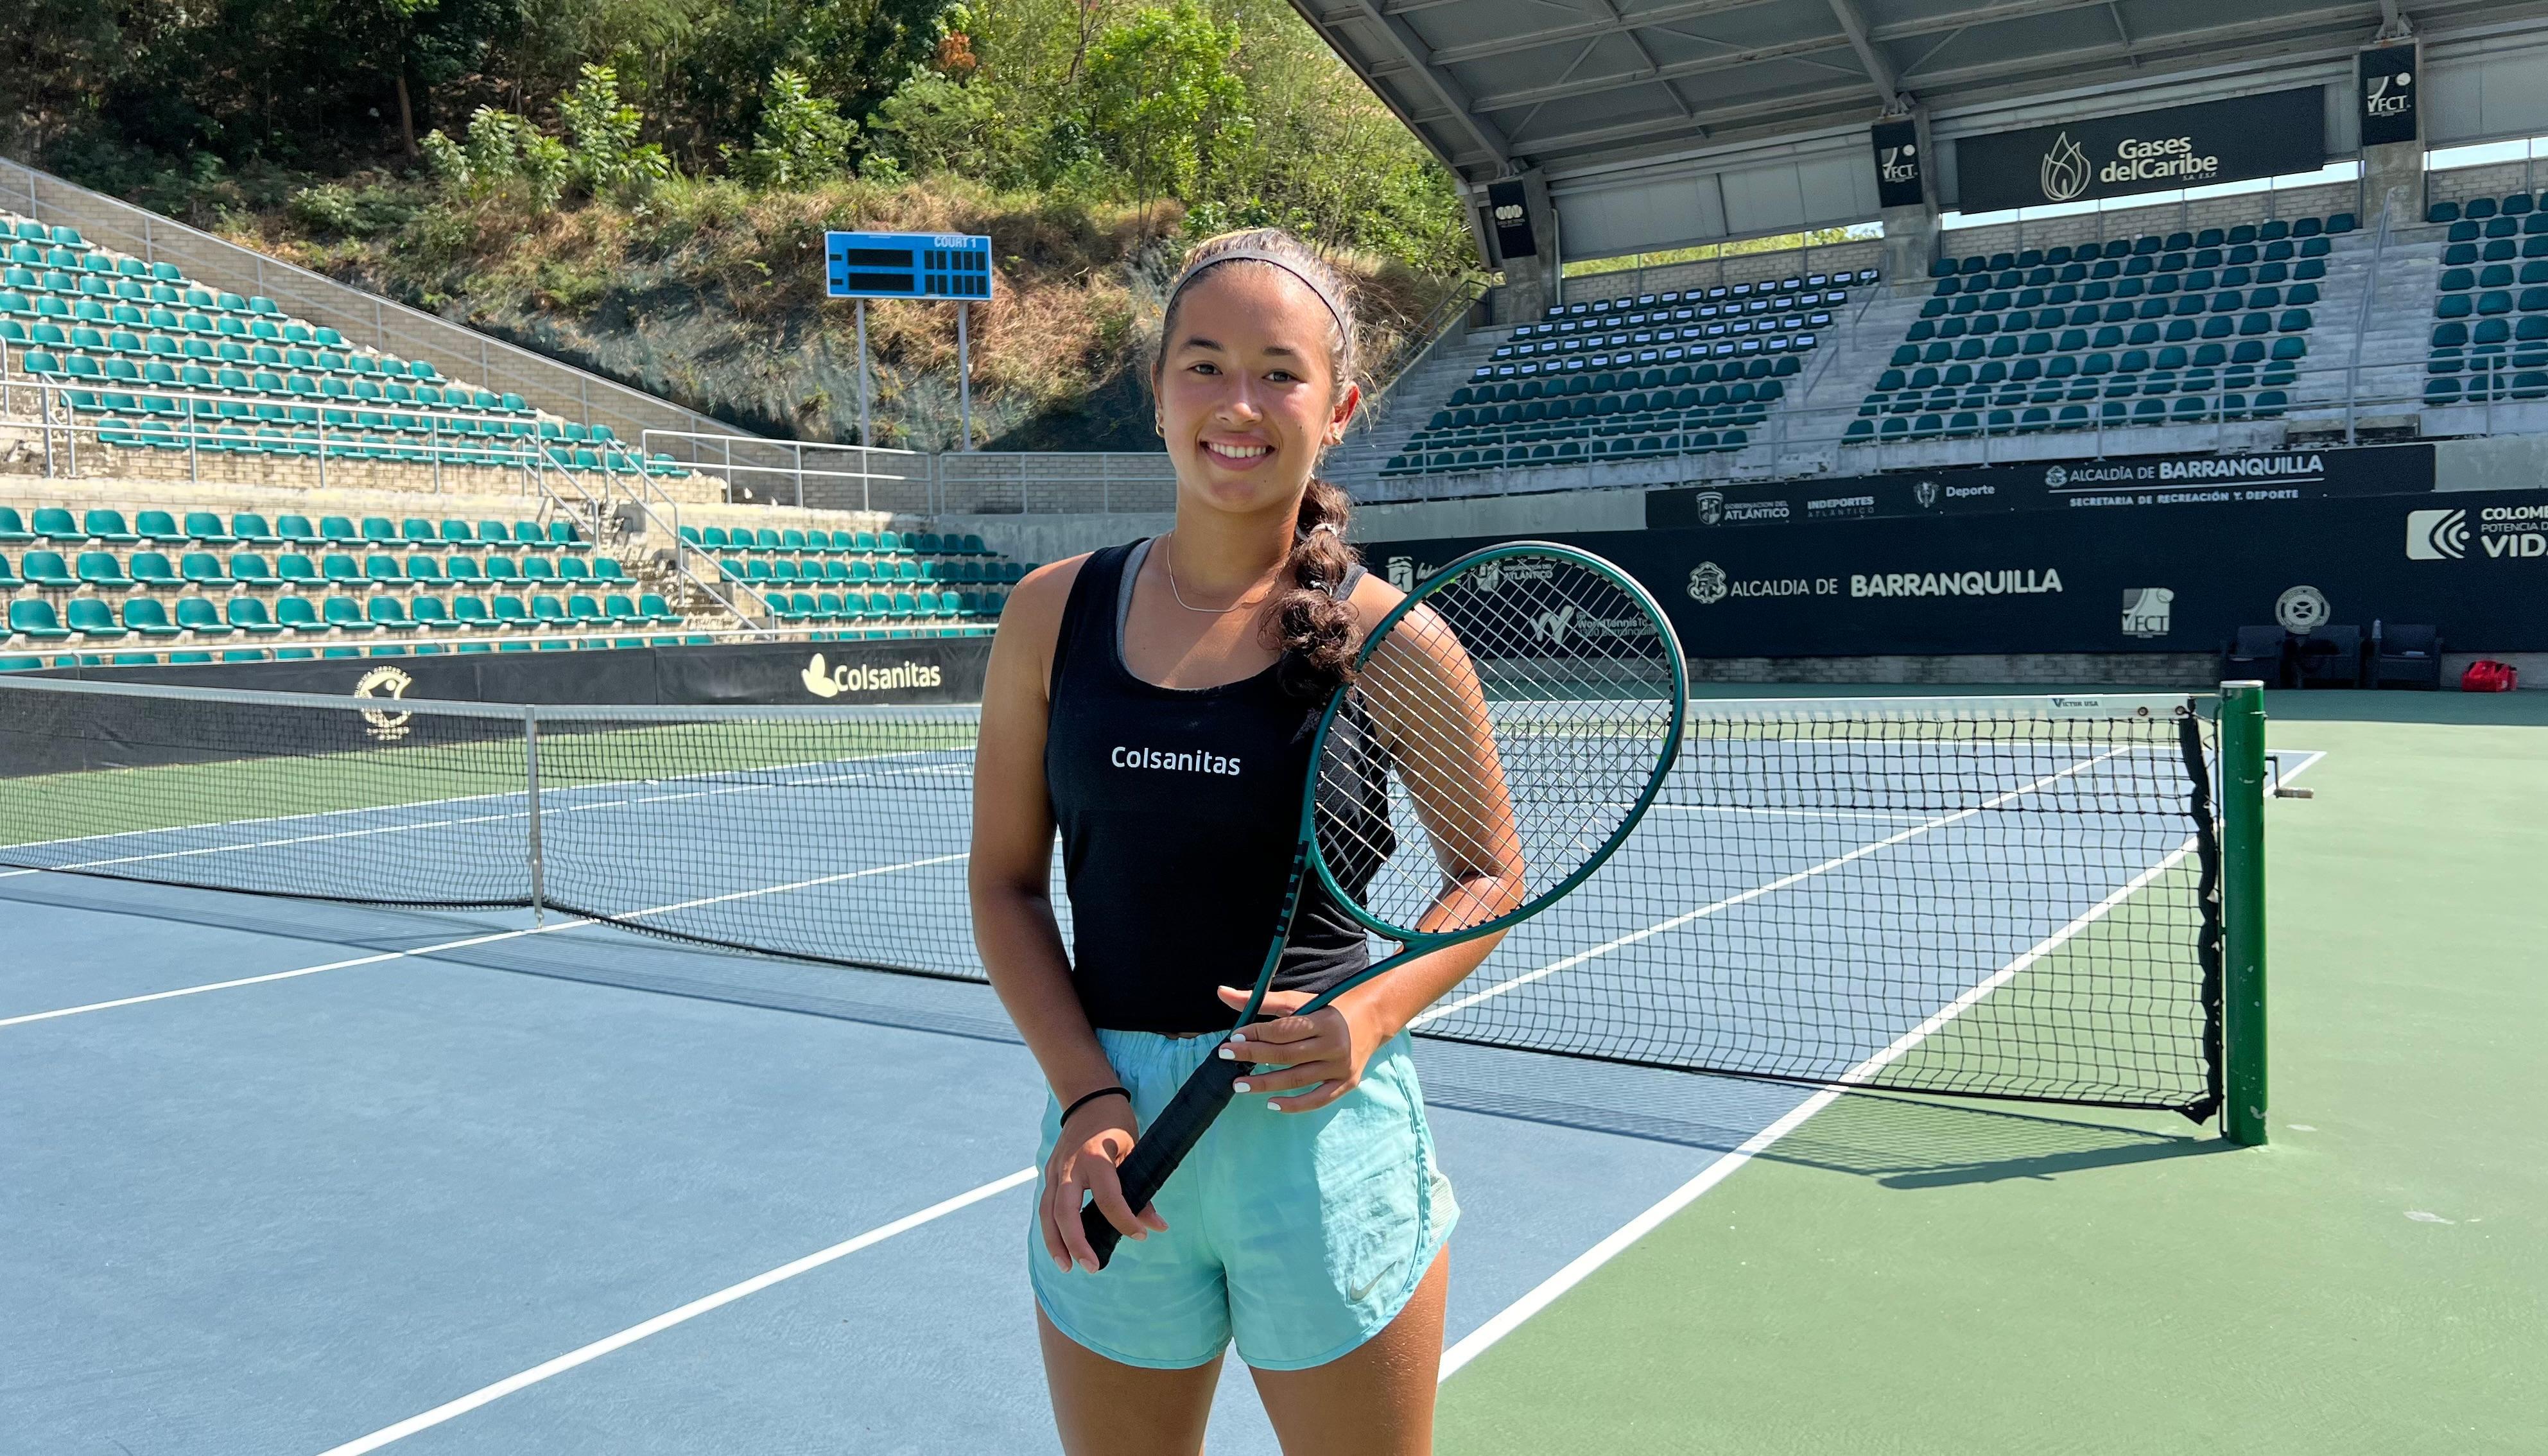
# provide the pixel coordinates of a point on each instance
(1324, 1050)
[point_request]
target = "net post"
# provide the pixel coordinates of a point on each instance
(2242, 909)
(531, 786)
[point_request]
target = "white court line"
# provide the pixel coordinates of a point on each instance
(666, 1320)
(1662, 927)
(485, 940)
(1510, 1317)
(506, 793)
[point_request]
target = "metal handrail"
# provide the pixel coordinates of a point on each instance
(1418, 343)
(2362, 316)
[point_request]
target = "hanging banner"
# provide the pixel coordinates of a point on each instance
(2146, 152)
(2179, 579)
(1900, 175)
(2388, 95)
(2131, 483)
(1510, 208)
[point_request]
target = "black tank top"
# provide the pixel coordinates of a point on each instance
(1178, 810)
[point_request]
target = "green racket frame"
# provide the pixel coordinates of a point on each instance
(1182, 1123)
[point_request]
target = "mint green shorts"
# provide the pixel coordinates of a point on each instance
(1299, 1235)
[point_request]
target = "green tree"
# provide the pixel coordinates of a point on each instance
(1162, 101)
(803, 138)
(601, 131)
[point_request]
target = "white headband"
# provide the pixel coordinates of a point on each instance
(1335, 309)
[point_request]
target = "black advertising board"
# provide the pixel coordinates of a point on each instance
(2177, 580)
(2388, 95)
(2126, 483)
(918, 670)
(1901, 170)
(2196, 146)
(1509, 208)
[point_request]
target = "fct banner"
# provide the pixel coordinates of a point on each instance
(2135, 482)
(2180, 580)
(2388, 95)
(2146, 151)
(1901, 170)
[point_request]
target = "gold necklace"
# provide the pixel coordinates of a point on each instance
(1168, 565)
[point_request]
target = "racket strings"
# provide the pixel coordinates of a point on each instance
(1519, 712)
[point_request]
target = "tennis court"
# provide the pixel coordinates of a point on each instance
(435, 1172)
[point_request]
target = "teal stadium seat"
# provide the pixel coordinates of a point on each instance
(93, 619)
(144, 616)
(34, 621)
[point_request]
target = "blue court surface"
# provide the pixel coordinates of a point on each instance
(289, 1176)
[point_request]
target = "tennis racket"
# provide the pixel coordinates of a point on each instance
(1506, 727)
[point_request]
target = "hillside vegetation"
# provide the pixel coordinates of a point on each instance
(641, 186)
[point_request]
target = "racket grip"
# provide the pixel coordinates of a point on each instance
(1163, 1145)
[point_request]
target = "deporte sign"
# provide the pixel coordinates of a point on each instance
(2146, 152)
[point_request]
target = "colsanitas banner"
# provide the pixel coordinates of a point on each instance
(2196, 146)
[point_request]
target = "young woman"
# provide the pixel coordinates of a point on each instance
(1155, 704)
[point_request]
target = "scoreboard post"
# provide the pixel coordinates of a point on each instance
(953, 267)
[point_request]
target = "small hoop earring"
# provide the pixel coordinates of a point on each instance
(1158, 429)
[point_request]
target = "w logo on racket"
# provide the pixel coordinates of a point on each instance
(1553, 625)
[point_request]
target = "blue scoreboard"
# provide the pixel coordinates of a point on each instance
(907, 265)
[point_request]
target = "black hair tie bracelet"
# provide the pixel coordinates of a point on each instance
(1124, 1092)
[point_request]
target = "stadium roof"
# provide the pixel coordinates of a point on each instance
(1498, 85)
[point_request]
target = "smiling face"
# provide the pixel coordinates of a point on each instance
(1248, 388)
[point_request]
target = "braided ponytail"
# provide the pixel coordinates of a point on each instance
(1310, 624)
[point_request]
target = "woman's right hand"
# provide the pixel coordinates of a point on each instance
(1095, 1138)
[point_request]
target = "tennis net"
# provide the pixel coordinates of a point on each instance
(2001, 897)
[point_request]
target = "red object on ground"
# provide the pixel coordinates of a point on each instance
(2486, 675)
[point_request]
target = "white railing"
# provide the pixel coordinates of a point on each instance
(806, 473)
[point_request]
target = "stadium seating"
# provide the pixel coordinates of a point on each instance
(157, 362)
(169, 581)
(2175, 329)
(2490, 335)
(1632, 377)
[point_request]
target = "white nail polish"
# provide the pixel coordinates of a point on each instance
(1241, 1087)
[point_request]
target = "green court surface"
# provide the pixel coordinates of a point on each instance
(1903, 1275)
